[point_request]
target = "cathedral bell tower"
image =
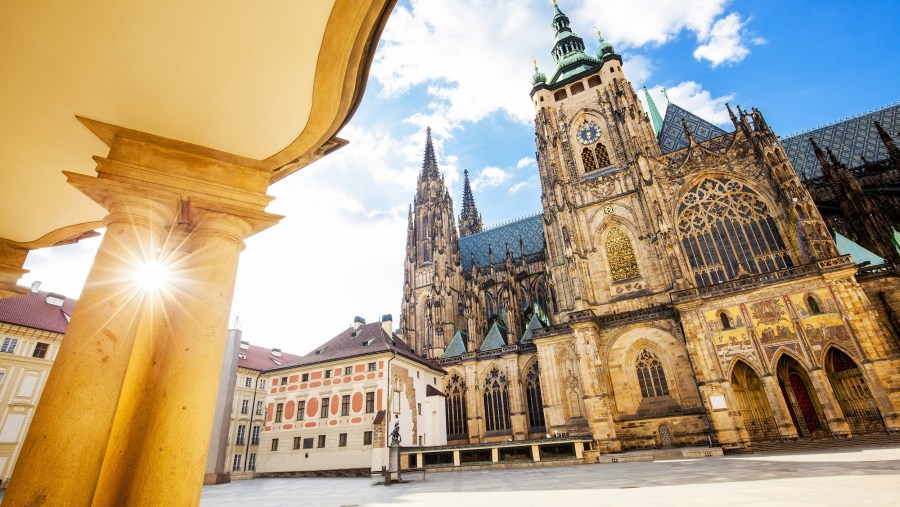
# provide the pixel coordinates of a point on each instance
(432, 269)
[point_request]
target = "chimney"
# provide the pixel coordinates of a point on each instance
(358, 321)
(387, 323)
(55, 299)
(35, 286)
(276, 352)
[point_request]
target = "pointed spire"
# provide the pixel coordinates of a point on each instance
(688, 133)
(429, 163)
(655, 118)
(469, 219)
(893, 151)
(567, 41)
(538, 77)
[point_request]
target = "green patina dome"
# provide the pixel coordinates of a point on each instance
(605, 48)
(538, 77)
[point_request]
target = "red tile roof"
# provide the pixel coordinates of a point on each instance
(32, 310)
(367, 339)
(260, 358)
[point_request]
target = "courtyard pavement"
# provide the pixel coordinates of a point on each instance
(869, 477)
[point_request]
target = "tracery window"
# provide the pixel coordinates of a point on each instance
(496, 401)
(620, 255)
(533, 398)
(727, 232)
(587, 158)
(456, 407)
(651, 376)
(602, 156)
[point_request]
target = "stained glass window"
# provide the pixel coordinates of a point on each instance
(651, 376)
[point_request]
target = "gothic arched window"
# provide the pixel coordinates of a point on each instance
(496, 401)
(813, 305)
(533, 399)
(726, 324)
(651, 376)
(727, 232)
(602, 156)
(587, 158)
(620, 255)
(457, 426)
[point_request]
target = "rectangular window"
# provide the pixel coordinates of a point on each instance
(420, 439)
(254, 436)
(305, 377)
(236, 463)
(371, 366)
(324, 414)
(297, 442)
(251, 463)
(419, 408)
(262, 383)
(370, 403)
(307, 443)
(248, 382)
(342, 440)
(283, 381)
(345, 404)
(245, 406)
(348, 370)
(321, 443)
(327, 373)
(9, 345)
(240, 434)
(40, 350)
(279, 411)
(274, 444)
(259, 407)
(367, 438)
(301, 410)
(2, 373)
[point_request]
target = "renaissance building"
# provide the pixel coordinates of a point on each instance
(679, 287)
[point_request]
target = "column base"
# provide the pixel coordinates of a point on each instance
(216, 478)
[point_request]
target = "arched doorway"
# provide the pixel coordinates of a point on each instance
(752, 403)
(800, 398)
(852, 393)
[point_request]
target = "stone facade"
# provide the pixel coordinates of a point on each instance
(679, 298)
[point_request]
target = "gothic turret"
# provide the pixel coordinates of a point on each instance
(470, 218)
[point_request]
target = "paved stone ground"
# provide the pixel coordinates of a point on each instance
(869, 477)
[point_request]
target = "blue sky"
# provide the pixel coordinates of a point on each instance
(464, 68)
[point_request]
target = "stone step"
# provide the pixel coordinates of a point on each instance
(823, 443)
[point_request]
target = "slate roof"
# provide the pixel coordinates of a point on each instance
(494, 339)
(534, 323)
(849, 140)
(857, 253)
(529, 229)
(671, 135)
(32, 310)
(457, 346)
(367, 339)
(260, 358)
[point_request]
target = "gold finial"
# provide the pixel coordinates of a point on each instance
(554, 2)
(534, 61)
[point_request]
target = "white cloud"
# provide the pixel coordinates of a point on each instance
(490, 177)
(690, 95)
(525, 162)
(726, 42)
(641, 22)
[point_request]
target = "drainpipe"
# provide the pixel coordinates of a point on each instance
(250, 427)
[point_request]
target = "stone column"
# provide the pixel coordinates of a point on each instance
(834, 416)
(72, 424)
(12, 258)
(783, 420)
(473, 391)
(518, 418)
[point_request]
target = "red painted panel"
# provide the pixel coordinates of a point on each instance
(289, 410)
(380, 364)
(380, 374)
(270, 411)
(274, 390)
(304, 385)
(312, 406)
(332, 422)
(335, 404)
(287, 426)
(378, 398)
(293, 379)
(293, 387)
(268, 428)
(314, 384)
(370, 376)
(356, 403)
(359, 368)
(336, 372)
(337, 381)
(356, 420)
(326, 382)
(310, 425)
(315, 375)
(359, 377)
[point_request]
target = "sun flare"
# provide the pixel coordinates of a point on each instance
(151, 275)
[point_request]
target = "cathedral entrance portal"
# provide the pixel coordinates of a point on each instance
(800, 398)
(752, 403)
(852, 393)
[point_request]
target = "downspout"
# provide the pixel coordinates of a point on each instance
(250, 427)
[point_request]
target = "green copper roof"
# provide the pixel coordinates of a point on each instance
(857, 253)
(457, 345)
(655, 118)
(535, 323)
(494, 339)
(538, 77)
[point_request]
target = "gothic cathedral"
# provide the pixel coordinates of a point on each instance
(668, 294)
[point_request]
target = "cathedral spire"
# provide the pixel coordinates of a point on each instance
(655, 118)
(470, 218)
(429, 163)
(889, 143)
(567, 42)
